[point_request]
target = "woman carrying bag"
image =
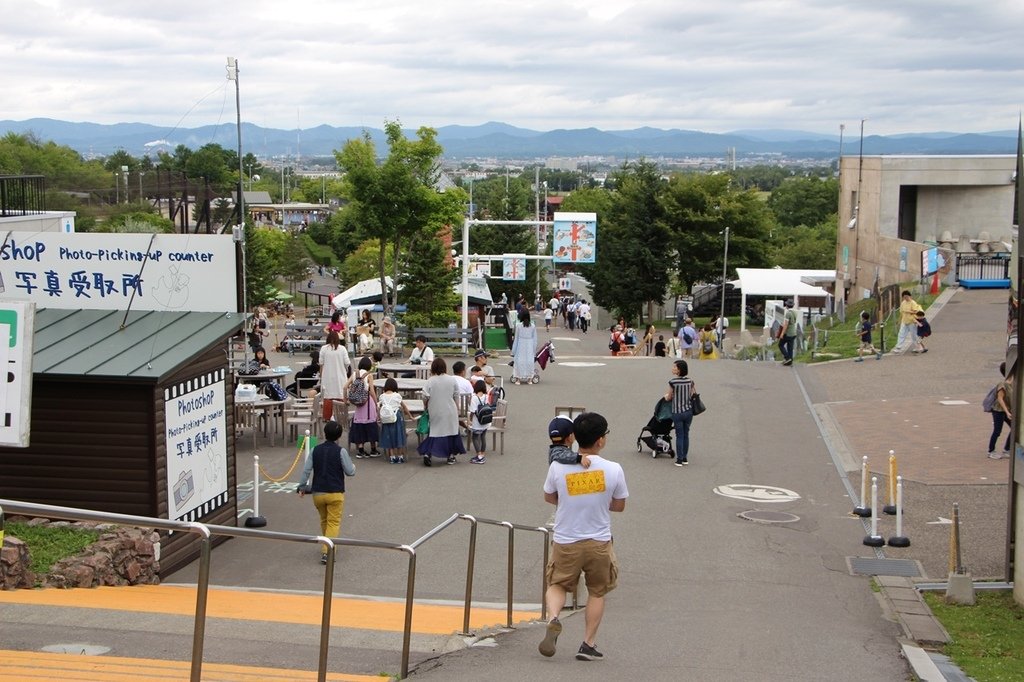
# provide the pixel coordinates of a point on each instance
(682, 393)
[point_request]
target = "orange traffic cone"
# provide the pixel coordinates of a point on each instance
(935, 284)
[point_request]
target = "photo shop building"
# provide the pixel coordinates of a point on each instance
(131, 408)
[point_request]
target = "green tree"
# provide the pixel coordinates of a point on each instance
(697, 209)
(362, 262)
(804, 201)
(806, 248)
(137, 221)
(631, 268)
(261, 264)
(427, 283)
(395, 200)
(294, 262)
(211, 161)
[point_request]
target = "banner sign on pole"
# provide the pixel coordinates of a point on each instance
(101, 271)
(564, 284)
(513, 266)
(930, 263)
(17, 327)
(575, 237)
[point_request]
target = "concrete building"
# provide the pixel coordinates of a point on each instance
(891, 208)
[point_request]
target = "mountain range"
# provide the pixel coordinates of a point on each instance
(503, 141)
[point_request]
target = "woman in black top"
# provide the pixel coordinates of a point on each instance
(680, 391)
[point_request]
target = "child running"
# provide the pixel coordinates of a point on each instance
(478, 431)
(864, 332)
(392, 433)
(924, 330)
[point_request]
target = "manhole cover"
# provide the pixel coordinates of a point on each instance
(79, 649)
(760, 516)
(905, 568)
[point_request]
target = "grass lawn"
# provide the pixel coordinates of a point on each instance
(988, 638)
(47, 546)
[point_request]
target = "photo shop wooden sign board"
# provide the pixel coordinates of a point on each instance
(180, 272)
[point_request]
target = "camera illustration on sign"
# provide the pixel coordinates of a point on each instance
(575, 237)
(513, 267)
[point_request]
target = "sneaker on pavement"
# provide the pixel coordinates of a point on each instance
(401, 460)
(547, 645)
(588, 653)
(478, 460)
(995, 455)
(878, 356)
(859, 360)
(451, 459)
(426, 460)
(787, 363)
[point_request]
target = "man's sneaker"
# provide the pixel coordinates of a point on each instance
(478, 460)
(451, 459)
(995, 455)
(859, 360)
(787, 363)
(547, 645)
(588, 653)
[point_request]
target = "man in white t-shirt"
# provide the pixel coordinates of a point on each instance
(584, 316)
(553, 304)
(459, 372)
(582, 542)
(480, 358)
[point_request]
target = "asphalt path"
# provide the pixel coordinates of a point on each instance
(703, 594)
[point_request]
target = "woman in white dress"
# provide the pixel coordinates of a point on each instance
(524, 348)
(334, 370)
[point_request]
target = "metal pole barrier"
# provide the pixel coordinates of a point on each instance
(467, 605)
(874, 540)
(325, 617)
(956, 560)
(511, 564)
(899, 540)
(893, 477)
(255, 521)
(202, 591)
(407, 633)
(862, 509)
(544, 576)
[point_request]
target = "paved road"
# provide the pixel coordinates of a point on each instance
(704, 594)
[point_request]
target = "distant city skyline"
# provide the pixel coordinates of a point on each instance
(912, 66)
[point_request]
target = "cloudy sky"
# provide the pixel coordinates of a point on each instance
(905, 65)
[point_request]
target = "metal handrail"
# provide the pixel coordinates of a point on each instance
(206, 531)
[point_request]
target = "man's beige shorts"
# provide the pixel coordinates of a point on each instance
(593, 558)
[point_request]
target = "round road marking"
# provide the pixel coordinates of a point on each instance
(751, 492)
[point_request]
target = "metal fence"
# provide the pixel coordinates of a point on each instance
(207, 531)
(982, 267)
(22, 195)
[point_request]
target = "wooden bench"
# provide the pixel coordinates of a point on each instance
(304, 337)
(448, 337)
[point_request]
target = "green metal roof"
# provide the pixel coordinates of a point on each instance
(151, 345)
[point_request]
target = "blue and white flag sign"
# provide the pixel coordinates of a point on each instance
(575, 237)
(513, 266)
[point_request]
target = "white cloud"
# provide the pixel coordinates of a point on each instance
(798, 64)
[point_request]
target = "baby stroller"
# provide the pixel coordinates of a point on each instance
(545, 355)
(658, 431)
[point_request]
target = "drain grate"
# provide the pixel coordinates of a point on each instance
(761, 516)
(904, 568)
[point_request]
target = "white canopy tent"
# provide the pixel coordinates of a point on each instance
(780, 283)
(368, 292)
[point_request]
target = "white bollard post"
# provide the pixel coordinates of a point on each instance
(862, 509)
(255, 521)
(874, 540)
(899, 540)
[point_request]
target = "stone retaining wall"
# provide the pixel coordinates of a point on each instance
(120, 556)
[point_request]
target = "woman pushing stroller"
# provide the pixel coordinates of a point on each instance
(681, 390)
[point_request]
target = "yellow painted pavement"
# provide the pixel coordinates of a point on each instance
(35, 666)
(300, 609)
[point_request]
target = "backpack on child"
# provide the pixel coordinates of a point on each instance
(707, 347)
(388, 413)
(359, 393)
(484, 413)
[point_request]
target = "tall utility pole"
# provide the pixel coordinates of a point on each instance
(536, 228)
(239, 231)
(725, 261)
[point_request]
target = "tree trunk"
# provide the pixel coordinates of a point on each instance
(394, 275)
(383, 280)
